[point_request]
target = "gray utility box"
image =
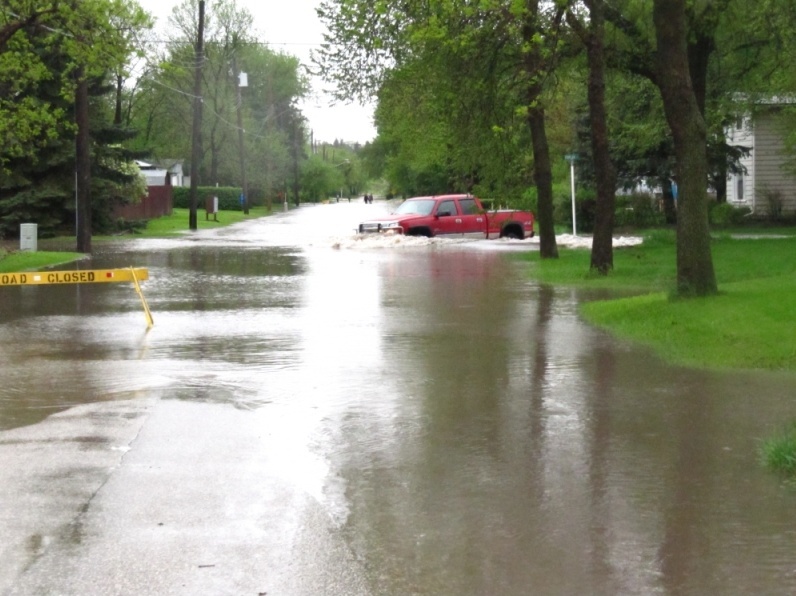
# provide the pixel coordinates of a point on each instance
(28, 236)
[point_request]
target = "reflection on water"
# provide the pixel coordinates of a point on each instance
(465, 430)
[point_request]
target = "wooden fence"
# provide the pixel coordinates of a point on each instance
(159, 201)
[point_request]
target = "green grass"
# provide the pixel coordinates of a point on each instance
(162, 227)
(33, 261)
(748, 325)
(779, 452)
(177, 223)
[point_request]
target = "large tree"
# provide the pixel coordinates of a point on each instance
(592, 35)
(703, 57)
(695, 274)
(46, 70)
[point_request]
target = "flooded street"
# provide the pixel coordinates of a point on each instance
(314, 413)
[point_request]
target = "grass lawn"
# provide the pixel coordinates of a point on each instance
(162, 227)
(32, 261)
(749, 325)
(177, 223)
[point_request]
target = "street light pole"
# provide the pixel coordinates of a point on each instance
(241, 151)
(345, 162)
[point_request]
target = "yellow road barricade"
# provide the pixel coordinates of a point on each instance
(90, 276)
(35, 278)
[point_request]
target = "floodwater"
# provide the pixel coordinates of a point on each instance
(314, 413)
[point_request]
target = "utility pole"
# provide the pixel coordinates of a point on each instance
(241, 149)
(83, 164)
(296, 149)
(196, 147)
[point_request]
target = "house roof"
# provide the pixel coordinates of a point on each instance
(165, 164)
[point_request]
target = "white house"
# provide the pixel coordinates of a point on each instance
(769, 171)
(174, 166)
(156, 173)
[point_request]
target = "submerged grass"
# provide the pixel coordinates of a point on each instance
(748, 325)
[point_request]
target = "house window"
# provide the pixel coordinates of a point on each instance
(739, 188)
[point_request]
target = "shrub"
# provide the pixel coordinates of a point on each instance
(585, 204)
(774, 201)
(638, 210)
(724, 214)
(124, 226)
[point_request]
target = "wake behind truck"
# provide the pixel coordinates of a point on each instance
(451, 216)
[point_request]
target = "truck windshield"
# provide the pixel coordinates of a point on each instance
(420, 207)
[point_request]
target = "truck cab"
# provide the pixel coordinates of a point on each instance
(453, 216)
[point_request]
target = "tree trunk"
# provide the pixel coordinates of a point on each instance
(695, 273)
(699, 51)
(602, 251)
(543, 176)
(215, 157)
(83, 165)
(117, 114)
(544, 184)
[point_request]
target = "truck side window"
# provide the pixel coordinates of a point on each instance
(446, 208)
(468, 206)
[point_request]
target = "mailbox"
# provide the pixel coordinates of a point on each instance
(211, 208)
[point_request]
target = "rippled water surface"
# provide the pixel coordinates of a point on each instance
(461, 426)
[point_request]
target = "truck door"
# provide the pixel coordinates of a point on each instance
(473, 222)
(448, 221)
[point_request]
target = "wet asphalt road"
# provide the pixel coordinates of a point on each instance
(317, 413)
(155, 496)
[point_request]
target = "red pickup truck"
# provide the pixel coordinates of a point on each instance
(451, 216)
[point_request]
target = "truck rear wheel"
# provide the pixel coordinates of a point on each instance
(512, 231)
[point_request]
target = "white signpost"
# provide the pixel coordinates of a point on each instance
(572, 158)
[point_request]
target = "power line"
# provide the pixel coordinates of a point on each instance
(249, 43)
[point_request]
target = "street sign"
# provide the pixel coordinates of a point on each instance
(570, 157)
(36, 278)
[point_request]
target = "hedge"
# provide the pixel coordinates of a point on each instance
(228, 197)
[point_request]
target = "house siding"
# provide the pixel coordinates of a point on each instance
(765, 166)
(771, 174)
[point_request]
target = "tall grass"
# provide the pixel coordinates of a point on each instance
(779, 451)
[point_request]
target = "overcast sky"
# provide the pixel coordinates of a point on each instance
(293, 27)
